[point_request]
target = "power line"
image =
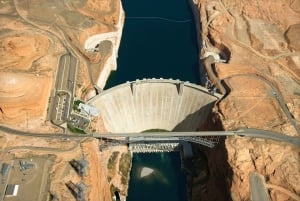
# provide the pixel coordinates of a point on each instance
(160, 18)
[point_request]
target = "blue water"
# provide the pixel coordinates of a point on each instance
(166, 183)
(158, 41)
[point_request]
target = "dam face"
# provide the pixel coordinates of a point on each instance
(147, 104)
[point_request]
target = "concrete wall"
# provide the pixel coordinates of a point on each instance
(115, 38)
(154, 104)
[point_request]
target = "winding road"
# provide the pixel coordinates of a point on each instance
(210, 60)
(256, 133)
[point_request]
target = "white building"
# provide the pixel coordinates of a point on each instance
(11, 190)
(88, 110)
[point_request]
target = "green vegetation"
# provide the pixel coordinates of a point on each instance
(75, 130)
(76, 105)
(112, 160)
(124, 167)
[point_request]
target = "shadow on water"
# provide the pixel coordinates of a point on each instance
(157, 176)
(161, 48)
(210, 177)
(211, 174)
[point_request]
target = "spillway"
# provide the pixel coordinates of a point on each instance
(147, 104)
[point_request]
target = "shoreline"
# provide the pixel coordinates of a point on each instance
(111, 64)
(115, 37)
(199, 37)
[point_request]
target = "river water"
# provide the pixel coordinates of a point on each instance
(158, 41)
(166, 182)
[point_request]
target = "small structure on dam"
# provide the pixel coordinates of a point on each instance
(166, 104)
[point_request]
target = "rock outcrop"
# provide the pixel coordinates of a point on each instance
(259, 42)
(34, 34)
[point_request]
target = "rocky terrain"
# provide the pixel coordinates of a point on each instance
(259, 40)
(33, 36)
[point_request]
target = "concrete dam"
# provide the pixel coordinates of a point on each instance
(166, 104)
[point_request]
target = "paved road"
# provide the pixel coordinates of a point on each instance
(72, 74)
(243, 132)
(66, 73)
(166, 139)
(209, 61)
(65, 88)
(276, 93)
(62, 72)
(256, 133)
(258, 188)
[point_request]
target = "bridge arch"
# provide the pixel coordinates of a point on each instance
(147, 104)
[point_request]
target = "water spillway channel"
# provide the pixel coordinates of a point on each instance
(158, 41)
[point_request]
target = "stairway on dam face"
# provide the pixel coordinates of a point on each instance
(147, 104)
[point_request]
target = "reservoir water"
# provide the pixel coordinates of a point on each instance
(158, 41)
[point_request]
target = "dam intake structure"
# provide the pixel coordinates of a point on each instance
(163, 104)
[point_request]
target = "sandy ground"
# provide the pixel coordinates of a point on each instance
(258, 41)
(26, 77)
(34, 34)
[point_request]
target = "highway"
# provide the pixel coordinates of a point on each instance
(276, 93)
(62, 37)
(258, 188)
(255, 133)
(210, 60)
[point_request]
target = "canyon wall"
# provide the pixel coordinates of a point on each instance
(34, 35)
(110, 63)
(259, 47)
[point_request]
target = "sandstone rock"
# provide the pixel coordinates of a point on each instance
(293, 37)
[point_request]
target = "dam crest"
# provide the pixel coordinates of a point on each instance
(147, 104)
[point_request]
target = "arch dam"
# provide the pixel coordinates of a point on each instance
(159, 104)
(147, 104)
(130, 109)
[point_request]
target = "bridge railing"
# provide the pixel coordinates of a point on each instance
(201, 140)
(208, 141)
